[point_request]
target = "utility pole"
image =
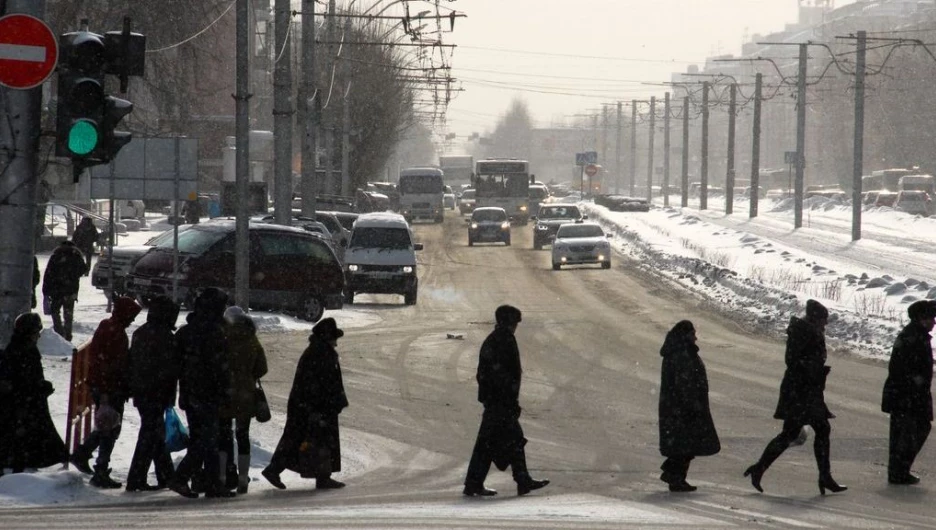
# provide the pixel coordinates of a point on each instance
(703, 187)
(800, 138)
(617, 153)
(650, 148)
(329, 109)
(755, 145)
(307, 115)
(730, 175)
(666, 147)
(684, 202)
(857, 169)
(633, 148)
(19, 146)
(242, 159)
(346, 119)
(282, 115)
(604, 134)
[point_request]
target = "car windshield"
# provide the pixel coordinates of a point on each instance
(538, 192)
(559, 212)
(195, 240)
(468, 194)
(380, 237)
(157, 240)
(580, 231)
(489, 215)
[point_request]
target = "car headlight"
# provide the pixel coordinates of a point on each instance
(474, 226)
(523, 208)
(601, 257)
(407, 269)
(353, 268)
(542, 227)
(505, 225)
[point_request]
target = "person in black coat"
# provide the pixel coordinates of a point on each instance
(28, 438)
(907, 396)
(801, 397)
(686, 426)
(37, 277)
(500, 438)
(204, 387)
(153, 374)
(85, 237)
(60, 283)
(309, 444)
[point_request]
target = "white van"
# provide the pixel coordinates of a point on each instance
(381, 257)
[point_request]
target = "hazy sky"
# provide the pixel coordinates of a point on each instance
(591, 51)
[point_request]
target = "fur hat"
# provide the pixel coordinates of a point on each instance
(327, 329)
(26, 324)
(816, 310)
(922, 309)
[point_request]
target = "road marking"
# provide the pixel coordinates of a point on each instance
(22, 52)
(758, 515)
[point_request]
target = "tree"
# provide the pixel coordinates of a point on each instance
(513, 135)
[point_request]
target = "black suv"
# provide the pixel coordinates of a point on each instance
(548, 219)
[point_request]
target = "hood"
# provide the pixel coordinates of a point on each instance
(583, 240)
(162, 312)
(126, 309)
(380, 256)
(799, 326)
(554, 222)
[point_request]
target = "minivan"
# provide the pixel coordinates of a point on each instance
(291, 270)
(381, 257)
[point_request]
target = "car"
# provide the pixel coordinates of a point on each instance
(885, 198)
(381, 257)
(488, 224)
(121, 261)
(346, 219)
(548, 219)
(466, 202)
(578, 243)
(914, 202)
(538, 194)
(291, 270)
(621, 203)
(448, 198)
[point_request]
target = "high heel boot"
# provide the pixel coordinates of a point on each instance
(756, 473)
(826, 482)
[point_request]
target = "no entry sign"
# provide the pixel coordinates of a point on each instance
(28, 51)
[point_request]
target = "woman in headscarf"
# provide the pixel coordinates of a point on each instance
(686, 426)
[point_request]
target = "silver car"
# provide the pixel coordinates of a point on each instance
(578, 243)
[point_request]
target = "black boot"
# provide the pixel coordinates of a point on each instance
(80, 460)
(526, 486)
(101, 479)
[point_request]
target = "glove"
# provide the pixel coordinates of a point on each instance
(47, 388)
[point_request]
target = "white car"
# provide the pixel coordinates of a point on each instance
(448, 198)
(578, 243)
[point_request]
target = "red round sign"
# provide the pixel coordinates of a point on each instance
(591, 170)
(28, 51)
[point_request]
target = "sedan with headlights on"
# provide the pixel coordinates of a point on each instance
(488, 224)
(578, 243)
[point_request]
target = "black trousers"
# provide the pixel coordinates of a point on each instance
(63, 314)
(500, 439)
(150, 447)
(203, 446)
(908, 433)
(790, 432)
(675, 469)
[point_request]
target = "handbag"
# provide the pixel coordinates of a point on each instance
(261, 405)
(177, 435)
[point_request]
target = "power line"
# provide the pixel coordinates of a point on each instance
(196, 35)
(574, 56)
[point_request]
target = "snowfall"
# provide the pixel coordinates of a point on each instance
(757, 270)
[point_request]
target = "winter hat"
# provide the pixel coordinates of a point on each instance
(126, 308)
(507, 315)
(233, 313)
(162, 310)
(816, 310)
(211, 301)
(327, 328)
(922, 309)
(26, 324)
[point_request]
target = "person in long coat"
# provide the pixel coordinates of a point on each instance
(802, 400)
(28, 438)
(63, 272)
(686, 426)
(907, 395)
(309, 444)
(85, 237)
(500, 437)
(248, 364)
(154, 375)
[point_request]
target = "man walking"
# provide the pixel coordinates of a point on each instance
(500, 437)
(85, 236)
(60, 284)
(907, 396)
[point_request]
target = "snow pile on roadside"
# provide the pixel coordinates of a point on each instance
(51, 344)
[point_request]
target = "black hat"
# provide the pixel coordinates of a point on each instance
(816, 310)
(327, 328)
(26, 324)
(922, 309)
(211, 301)
(507, 315)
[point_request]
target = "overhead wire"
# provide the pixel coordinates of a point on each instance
(197, 34)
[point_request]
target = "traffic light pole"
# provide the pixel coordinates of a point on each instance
(242, 160)
(19, 146)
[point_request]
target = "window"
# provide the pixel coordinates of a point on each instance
(580, 231)
(283, 245)
(195, 240)
(559, 212)
(380, 237)
(489, 215)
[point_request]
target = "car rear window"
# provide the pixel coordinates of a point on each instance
(194, 240)
(559, 212)
(274, 245)
(538, 192)
(580, 231)
(489, 215)
(468, 194)
(380, 237)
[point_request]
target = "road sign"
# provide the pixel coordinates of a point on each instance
(789, 157)
(591, 170)
(588, 157)
(28, 51)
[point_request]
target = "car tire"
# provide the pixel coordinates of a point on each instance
(470, 242)
(349, 297)
(507, 241)
(606, 265)
(440, 219)
(409, 298)
(537, 245)
(556, 266)
(312, 309)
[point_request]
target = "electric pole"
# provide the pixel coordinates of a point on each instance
(282, 115)
(307, 115)
(651, 133)
(346, 119)
(684, 202)
(604, 134)
(617, 153)
(860, 64)
(242, 159)
(800, 138)
(328, 110)
(755, 145)
(703, 187)
(666, 147)
(730, 174)
(633, 148)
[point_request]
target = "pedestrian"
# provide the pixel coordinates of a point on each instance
(907, 396)
(85, 237)
(28, 438)
(60, 284)
(310, 445)
(37, 277)
(154, 375)
(248, 363)
(109, 381)
(192, 211)
(686, 426)
(500, 438)
(204, 388)
(801, 400)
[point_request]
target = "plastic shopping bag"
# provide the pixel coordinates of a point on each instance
(177, 435)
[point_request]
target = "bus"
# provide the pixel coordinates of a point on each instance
(457, 169)
(504, 182)
(421, 193)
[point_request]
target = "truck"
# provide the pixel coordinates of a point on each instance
(457, 169)
(504, 182)
(421, 193)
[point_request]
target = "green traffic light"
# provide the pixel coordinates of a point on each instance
(82, 137)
